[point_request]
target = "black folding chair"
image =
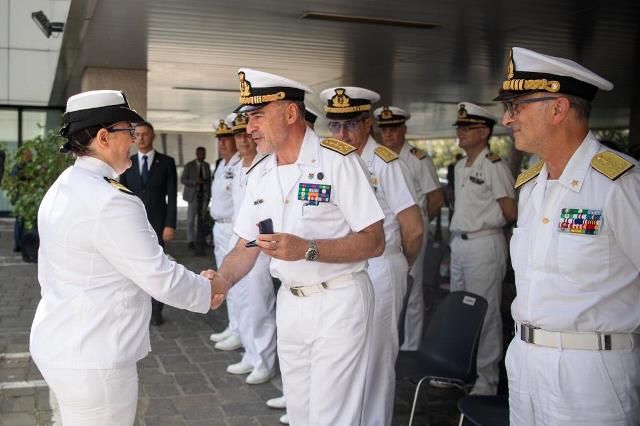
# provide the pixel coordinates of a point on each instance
(449, 349)
(483, 410)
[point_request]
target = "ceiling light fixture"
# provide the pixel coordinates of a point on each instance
(321, 16)
(46, 26)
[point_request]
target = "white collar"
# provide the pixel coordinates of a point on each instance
(96, 166)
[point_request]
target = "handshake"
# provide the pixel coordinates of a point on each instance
(219, 287)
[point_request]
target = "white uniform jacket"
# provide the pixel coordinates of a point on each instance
(99, 263)
(572, 281)
(422, 172)
(345, 203)
(221, 207)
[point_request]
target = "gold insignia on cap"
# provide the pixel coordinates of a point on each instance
(245, 85)
(529, 174)
(610, 164)
(462, 112)
(117, 185)
(337, 146)
(240, 122)
(418, 153)
(511, 67)
(223, 129)
(386, 114)
(520, 84)
(386, 154)
(493, 157)
(340, 100)
(341, 103)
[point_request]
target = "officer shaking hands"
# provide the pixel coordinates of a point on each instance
(99, 263)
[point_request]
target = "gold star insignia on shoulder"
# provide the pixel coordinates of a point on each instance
(418, 153)
(117, 185)
(337, 146)
(529, 174)
(386, 154)
(610, 164)
(493, 157)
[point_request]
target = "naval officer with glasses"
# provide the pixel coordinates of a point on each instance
(484, 204)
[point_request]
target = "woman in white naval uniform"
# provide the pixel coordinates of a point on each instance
(98, 266)
(351, 121)
(254, 297)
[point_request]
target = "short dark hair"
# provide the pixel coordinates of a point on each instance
(201, 148)
(146, 124)
(581, 106)
(78, 142)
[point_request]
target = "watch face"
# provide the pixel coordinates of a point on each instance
(311, 254)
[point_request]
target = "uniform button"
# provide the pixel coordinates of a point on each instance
(545, 220)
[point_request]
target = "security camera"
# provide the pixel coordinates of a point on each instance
(45, 25)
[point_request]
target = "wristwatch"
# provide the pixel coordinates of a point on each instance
(312, 252)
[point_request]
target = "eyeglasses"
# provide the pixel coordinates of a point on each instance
(513, 107)
(349, 126)
(131, 130)
(464, 129)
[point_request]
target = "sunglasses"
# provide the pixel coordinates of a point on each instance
(513, 107)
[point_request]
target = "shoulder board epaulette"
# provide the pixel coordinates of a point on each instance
(337, 146)
(386, 154)
(256, 163)
(493, 157)
(529, 174)
(117, 185)
(418, 153)
(611, 164)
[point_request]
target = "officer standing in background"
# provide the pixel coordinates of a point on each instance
(197, 190)
(484, 204)
(326, 223)
(348, 110)
(575, 357)
(221, 210)
(393, 129)
(253, 297)
(154, 179)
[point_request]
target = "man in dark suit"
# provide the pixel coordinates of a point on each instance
(196, 178)
(152, 177)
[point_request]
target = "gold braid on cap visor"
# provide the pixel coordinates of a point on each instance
(397, 121)
(346, 110)
(522, 84)
(261, 99)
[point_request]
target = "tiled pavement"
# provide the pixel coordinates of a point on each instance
(182, 381)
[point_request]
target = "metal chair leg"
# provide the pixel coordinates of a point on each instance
(461, 421)
(415, 400)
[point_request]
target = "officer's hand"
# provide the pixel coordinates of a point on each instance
(167, 233)
(283, 246)
(219, 287)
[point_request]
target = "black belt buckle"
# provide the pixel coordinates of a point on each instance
(526, 333)
(464, 236)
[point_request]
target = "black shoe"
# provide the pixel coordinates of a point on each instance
(156, 319)
(191, 245)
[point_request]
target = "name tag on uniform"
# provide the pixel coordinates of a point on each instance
(314, 193)
(228, 174)
(476, 180)
(580, 221)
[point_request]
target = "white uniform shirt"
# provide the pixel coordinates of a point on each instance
(350, 208)
(394, 193)
(478, 188)
(577, 282)
(221, 197)
(423, 174)
(99, 260)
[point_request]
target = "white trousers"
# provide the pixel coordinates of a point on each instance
(255, 303)
(94, 397)
(222, 234)
(323, 347)
(478, 266)
(414, 318)
(389, 278)
(552, 387)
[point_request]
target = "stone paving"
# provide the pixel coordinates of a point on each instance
(183, 380)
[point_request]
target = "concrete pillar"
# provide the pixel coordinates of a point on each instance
(131, 81)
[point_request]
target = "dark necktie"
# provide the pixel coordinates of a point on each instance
(145, 170)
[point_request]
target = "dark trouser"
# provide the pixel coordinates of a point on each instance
(18, 230)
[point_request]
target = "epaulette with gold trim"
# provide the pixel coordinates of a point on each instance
(117, 185)
(337, 146)
(493, 157)
(418, 153)
(386, 154)
(529, 174)
(611, 164)
(256, 163)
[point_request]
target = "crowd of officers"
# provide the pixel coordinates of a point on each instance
(331, 323)
(342, 223)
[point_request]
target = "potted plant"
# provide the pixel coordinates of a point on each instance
(28, 174)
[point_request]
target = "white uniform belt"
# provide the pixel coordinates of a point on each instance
(478, 234)
(223, 219)
(340, 281)
(581, 341)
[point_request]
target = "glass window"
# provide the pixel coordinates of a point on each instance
(9, 138)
